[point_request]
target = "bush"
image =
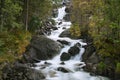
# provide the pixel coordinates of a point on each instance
(118, 67)
(102, 66)
(75, 30)
(13, 44)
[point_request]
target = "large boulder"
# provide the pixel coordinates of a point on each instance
(20, 71)
(90, 49)
(67, 9)
(65, 33)
(67, 17)
(64, 42)
(64, 70)
(74, 50)
(65, 56)
(94, 58)
(41, 48)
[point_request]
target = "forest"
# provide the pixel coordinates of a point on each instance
(15, 17)
(98, 20)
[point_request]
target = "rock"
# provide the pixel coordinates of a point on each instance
(59, 23)
(65, 33)
(65, 56)
(78, 64)
(74, 50)
(93, 66)
(62, 63)
(54, 28)
(88, 52)
(64, 42)
(52, 73)
(117, 76)
(67, 10)
(20, 72)
(65, 70)
(78, 44)
(88, 67)
(47, 63)
(67, 17)
(41, 48)
(64, 28)
(55, 12)
(86, 37)
(94, 58)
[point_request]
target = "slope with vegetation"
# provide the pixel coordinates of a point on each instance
(19, 20)
(100, 20)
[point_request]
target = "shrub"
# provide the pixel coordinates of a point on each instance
(75, 30)
(102, 66)
(118, 67)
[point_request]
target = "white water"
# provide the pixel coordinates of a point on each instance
(76, 72)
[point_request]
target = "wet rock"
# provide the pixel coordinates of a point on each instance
(65, 70)
(64, 42)
(65, 56)
(55, 12)
(54, 28)
(64, 28)
(67, 17)
(88, 67)
(62, 63)
(20, 72)
(78, 44)
(86, 37)
(74, 50)
(41, 48)
(88, 52)
(94, 58)
(65, 33)
(47, 63)
(59, 23)
(52, 73)
(67, 9)
(78, 64)
(93, 66)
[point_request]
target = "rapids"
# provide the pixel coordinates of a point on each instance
(76, 71)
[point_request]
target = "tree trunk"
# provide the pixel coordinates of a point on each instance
(26, 15)
(1, 14)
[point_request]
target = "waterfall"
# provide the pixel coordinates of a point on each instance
(74, 65)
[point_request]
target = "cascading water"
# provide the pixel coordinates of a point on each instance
(73, 65)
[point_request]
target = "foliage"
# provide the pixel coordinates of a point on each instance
(75, 30)
(13, 17)
(13, 45)
(38, 11)
(101, 20)
(35, 23)
(118, 67)
(11, 10)
(102, 66)
(40, 8)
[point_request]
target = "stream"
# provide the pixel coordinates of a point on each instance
(74, 65)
